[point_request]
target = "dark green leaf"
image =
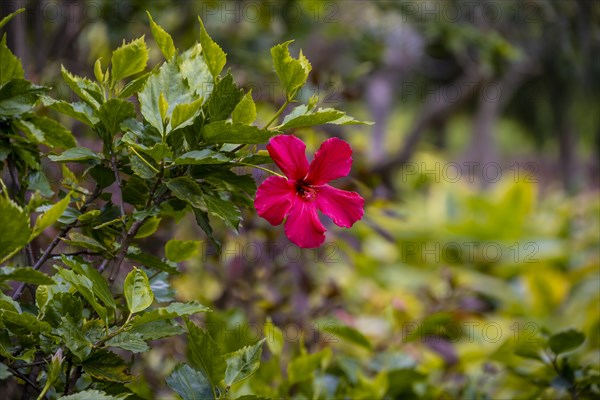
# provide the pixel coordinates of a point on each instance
(10, 67)
(23, 324)
(84, 286)
(566, 341)
(25, 274)
(223, 209)
(74, 339)
(15, 231)
(99, 284)
(187, 190)
(136, 191)
(226, 132)
(158, 329)
(106, 366)
(189, 383)
(18, 96)
(204, 354)
(223, 99)
(112, 113)
(205, 156)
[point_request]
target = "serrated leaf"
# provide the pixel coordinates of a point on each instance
(203, 353)
(243, 363)
(87, 90)
(25, 274)
(169, 82)
(137, 291)
(85, 287)
(158, 329)
(162, 39)
(181, 250)
(24, 323)
(173, 310)
(223, 209)
(129, 59)
(18, 96)
(302, 116)
(189, 383)
(15, 231)
(76, 154)
(141, 167)
(74, 339)
(187, 190)
(129, 341)
(223, 99)
(566, 341)
(47, 131)
(199, 157)
(213, 55)
(106, 366)
(245, 111)
(99, 284)
(184, 114)
(50, 217)
(111, 114)
(226, 132)
(136, 191)
(195, 71)
(10, 67)
(293, 73)
(78, 110)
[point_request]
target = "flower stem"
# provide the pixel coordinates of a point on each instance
(263, 169)
(277, 114)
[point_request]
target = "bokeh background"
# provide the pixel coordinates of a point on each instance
(481, 175)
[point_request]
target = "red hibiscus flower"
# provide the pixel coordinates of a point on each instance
(305, 190)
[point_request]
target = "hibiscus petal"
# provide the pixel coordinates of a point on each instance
(343, 207)
(289, 153)
(274, 199)
(303, 227)
(333, 160)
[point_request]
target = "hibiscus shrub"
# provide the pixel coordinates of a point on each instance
(73, 319)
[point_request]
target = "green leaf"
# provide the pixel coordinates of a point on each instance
(138, 293)
(18, 96)
(194, 70)
(106, 366)
(200, 157)
(136, 191)
(50, 217)
(173, 310)
(346, 332)
(189, 383)
(213, 55)
(99, 284)
(186, 189)
(169, 82)
(150, 261)
(10, 67)
(84, 285)
(566, 341)
(15, 232)
(25, 274)
(184, 114)
(129, 59)
(223, 99)
(81, 240)
(87, 90)
(302, 116)
(74, 339)
(158, 329)
(134, 86)
(9, 17)
(181, 250)
(129, 341)
(245, 111)
(148, 227)
(23, 324)
(302, 368)
(162, 38)
(112, 113)
(243, 363)
(226, 132)
(223, 209)
(293, 73)
(76, 154)
(91, 394)
(4, 372)
(142, 166)
(46, 131)
(204, 354)
(204, 223)
(78, 110)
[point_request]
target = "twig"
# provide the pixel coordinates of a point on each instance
(25, 379)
